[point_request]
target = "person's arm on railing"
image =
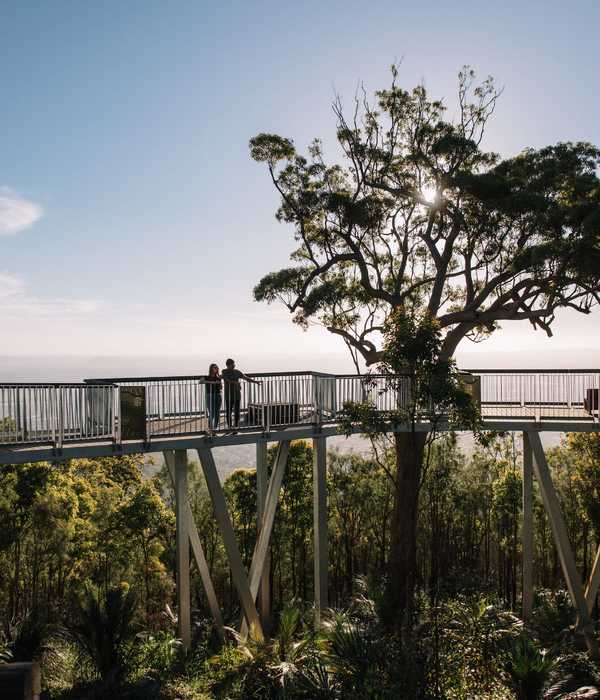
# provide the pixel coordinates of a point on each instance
(249, 379)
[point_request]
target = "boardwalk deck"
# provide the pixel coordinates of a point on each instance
(56, 419)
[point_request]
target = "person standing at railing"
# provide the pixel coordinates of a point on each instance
(233, 392)
(213, 385)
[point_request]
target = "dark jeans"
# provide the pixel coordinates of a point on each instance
(232, 405)
(213, 403)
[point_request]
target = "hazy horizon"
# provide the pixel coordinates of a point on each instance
(73, 368)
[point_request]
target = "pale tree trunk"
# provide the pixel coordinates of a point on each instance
(402, 562)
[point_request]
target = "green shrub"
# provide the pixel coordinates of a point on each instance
(473, 636)
(103, 633)
(157, 653)
(527, 668)
(552, 617)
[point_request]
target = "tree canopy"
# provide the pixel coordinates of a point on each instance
(418, 217)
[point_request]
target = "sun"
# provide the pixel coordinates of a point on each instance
(430, 193)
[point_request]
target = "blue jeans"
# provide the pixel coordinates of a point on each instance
(213, 403)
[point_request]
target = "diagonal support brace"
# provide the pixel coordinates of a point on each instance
(261, 548)
(238, 572)
(593, 582)
(565, 553)
(199, 556)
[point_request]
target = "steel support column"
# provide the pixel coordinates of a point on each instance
(238, 573)
(321, 555)
(262, 482)
(594, 582)
(183, 548)
(261, 549)
(199, 556)
(527, 531)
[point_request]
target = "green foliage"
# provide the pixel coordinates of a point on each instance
(102, 521)
(412, 343)
(482, 652)
(553, 616)
(103, 631)
(5, 652)
(359, 500)
(418, 217)
(355, 655)
(419, 384)
(475, 634)
(271, 148)
(527, 668)
(571, 672)
(348, 658)
(157, 653)
(32, 640)
(273, 285)
(418, 239)
(264, 668)
(240, 491)
(64, 526)
(292, 531)
(8, 425)
(582, 452)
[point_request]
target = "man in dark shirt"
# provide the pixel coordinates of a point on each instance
(233, 392)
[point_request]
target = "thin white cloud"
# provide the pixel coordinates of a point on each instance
(17, 302)
(10, 286)
(17, 213)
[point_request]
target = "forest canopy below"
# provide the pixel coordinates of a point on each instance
(97, 536)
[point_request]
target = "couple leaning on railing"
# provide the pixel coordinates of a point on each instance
(214, 381)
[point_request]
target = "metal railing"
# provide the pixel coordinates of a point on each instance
(144, 408)
(186, 405)
(539, 394)
(56, 413)
(385, 393)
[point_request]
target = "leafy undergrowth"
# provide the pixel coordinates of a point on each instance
(462, 649)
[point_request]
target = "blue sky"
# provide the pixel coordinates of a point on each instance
(132, 220)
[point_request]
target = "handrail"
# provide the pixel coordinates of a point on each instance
(96, 409)
(187, 377)
(50, 384)
(532, 371)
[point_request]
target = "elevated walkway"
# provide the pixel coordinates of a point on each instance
(121, 415)
(52, 422)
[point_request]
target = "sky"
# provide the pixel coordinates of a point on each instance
(133, 223)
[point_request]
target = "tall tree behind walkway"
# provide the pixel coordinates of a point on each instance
(418, 219)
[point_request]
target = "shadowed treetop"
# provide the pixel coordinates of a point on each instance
(418, 218)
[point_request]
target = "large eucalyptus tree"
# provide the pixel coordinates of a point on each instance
(418, 222)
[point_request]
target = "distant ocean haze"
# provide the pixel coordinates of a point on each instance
(27, 368)
(74, 368)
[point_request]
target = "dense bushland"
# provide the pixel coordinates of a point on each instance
(87, 581)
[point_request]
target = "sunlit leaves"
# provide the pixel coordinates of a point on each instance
(86, 520)
(273, 285)
(271, 148)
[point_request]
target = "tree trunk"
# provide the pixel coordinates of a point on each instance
(434, 545)
(402, 562)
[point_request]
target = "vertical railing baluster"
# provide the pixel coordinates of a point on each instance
(60, 417)
(267, 420)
